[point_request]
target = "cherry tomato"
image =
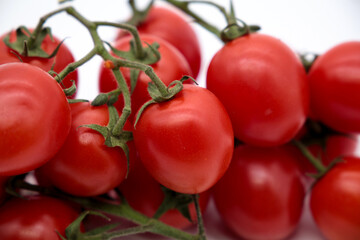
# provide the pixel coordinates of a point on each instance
(335, 201)
(334, 81)
(262, 84)
(261, 195)
(186, 143)
(175, 29)
(59, 62)
(85, 166)
(144, 194)
(172, 66)
(36, 218)
(35, 118)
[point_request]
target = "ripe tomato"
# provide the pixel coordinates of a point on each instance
(334, 81)
(335, 201)
(35, 118)
(61, 60)
(172, 27)
(85, 166)
(36, 218)
(262, 84)
(186, 143)
(145, 195)
(261, 195)
(172, 66)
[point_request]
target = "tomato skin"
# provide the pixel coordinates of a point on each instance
(262, 84)
(335, 201)
(186, 143)
(61, 60)
(144, 194)
(173, 28)
(36, 218)
(334, 81)
(85, 166)
(35, 118)
(261, 195)
(172, 66)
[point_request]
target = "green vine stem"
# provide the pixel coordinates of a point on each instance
(99, 49)
(201, 228)
(319, 166)
(230, 32)
(122, 210)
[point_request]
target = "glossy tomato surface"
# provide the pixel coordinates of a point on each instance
(261, 195)
(35, 118)
(335, 201)
(145, 194)
(172, 66)
(85, 166)
(262, 84)
(57, 63)
(36, 218)
(171, 26)
(186, 143)
(334, 81)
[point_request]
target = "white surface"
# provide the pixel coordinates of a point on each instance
(305, 25)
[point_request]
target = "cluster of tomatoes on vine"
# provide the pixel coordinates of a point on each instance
(245, 141)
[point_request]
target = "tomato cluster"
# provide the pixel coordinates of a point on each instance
(230, 142)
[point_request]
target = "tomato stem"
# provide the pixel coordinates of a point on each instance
(200, 222)
(319, 166)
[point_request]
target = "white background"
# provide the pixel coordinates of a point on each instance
(305, 25)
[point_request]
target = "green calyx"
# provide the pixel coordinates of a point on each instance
(175, 200)
(114, 138)
(28, 44)
(157, 97)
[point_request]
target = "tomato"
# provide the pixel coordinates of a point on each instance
(175, 29)
(38, 217)
(172, 66)
(85, 166)
(334, 81)
(59, 62)
(335, 201)
(186, 143)
(262, 84)
(145, 195)
(261, 195)
(35, 118)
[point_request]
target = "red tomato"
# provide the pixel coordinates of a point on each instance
(261, 195)
(172, 66)
(35, 118)
(186, 143)
(335, 201)
(61, 60)
(262, 84)
(145, 195)
(36, 218)
(172, 27)
(85, 166)
(334, 81)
